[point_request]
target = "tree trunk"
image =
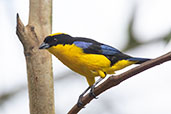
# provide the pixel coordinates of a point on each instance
(39, 62)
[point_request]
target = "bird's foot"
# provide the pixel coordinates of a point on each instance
(80, 103)
(92, 94)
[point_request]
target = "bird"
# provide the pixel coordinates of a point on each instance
(88, 58)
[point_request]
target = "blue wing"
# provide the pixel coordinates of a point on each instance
(93, 47)
(96, 48)
(108, 50)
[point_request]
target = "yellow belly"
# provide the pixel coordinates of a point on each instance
(84, 64)
(88, 65)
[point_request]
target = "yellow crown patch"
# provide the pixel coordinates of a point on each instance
(56, 34)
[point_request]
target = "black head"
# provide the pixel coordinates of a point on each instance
(55, 39)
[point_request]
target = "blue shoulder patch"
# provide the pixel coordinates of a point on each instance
(82, 44)
(108, 50)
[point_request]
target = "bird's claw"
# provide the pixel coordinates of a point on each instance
(92, 94)
(80, 103)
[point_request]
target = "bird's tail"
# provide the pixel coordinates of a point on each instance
(139, 60)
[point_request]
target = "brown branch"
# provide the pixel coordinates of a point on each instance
(39, 63)
(115, 80)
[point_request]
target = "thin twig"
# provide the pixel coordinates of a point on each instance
(115, 80)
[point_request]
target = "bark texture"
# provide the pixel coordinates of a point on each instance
(39, 62)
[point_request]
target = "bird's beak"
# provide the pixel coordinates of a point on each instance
(44, 46)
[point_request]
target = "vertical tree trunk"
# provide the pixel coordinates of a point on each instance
(39, 63)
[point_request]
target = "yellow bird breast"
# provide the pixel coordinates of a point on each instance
(80, 62)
